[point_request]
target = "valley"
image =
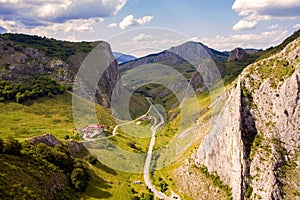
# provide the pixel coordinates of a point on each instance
(186, 133)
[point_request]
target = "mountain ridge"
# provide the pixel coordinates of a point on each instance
(253, 145)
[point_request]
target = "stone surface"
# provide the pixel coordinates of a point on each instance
(237, 54)
(47, 139)
(255, 140)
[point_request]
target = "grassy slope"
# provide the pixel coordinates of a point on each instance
(54, 115)
(45, 115)
(22, 177)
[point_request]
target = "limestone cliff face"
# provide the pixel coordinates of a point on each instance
(98, 75)
(254, 143)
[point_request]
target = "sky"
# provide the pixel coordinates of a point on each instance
(141, 27)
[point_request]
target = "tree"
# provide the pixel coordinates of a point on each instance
(12, 146)
(147, 196)
(80, 179)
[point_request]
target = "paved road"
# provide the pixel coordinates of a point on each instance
(116, 128)
(149, 154)
(130, 122)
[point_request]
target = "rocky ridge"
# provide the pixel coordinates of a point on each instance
(254, 143)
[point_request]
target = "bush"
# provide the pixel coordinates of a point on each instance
(67, 137)
(12, 146)
(92, 159)
(249, 192)
(147, 196)
(80, 179)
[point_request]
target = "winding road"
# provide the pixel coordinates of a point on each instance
(147, 165)
(154, 128)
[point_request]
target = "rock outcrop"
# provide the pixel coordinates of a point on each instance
(254, 144)
(237, 54)
(75, 147)
(21, 61)
(47, 139)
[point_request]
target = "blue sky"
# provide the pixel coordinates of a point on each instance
(126, 24)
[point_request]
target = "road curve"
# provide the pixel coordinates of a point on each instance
(149, 154)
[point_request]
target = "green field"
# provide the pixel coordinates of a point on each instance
(45, 115)
(54, 115)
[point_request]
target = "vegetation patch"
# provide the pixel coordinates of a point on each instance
(36, 88)
(215, 178)
(39, 171)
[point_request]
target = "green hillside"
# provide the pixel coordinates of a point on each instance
(44, 115)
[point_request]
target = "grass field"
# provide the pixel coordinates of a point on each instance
(54, 115)
(107, 183)
(45, 115)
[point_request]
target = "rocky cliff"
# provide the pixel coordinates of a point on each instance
(253, 146)
(24, 57)
(255, 142)
(237, 54)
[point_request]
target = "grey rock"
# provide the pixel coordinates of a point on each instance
(47, 139)
(271, 114)
(237, 54)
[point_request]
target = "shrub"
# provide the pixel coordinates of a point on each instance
(80, 179)
(12, 146)
(248, 192)
(147, 196)
(215, 178)
(92, 159)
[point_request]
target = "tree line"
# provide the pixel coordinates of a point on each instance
(37, 87)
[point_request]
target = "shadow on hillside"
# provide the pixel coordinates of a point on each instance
(109, 170)
(97, 187)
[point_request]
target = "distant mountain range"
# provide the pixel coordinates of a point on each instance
(122, 58)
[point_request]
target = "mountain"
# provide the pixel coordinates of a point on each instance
(237, 54)
(186, 59)
(25, 56)
(252, 51)
(188, 51)
(122, 58)
(252, 149)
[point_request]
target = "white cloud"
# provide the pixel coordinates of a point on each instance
(280, 8)
(262, 40)
(130, 20)
(296, 26)
(244, 25)
(47, 17)
(254, 11)
(42, 11)
(53, 29)
(274, 26)
(142, 38)
(112, 25)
